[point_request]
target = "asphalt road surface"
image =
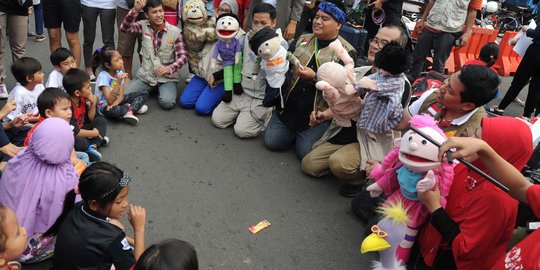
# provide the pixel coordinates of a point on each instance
(204, 185)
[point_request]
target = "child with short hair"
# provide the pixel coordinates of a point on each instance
(54, 102)
(90, 235)
(35, 183)
(12, 238)
(27, 72)
(172, 254)
(113, 103)
(89, 128)
(62, 60)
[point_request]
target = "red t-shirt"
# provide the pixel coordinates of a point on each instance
(79, 113)
(526, 254)
(479, 62)
(31, 131)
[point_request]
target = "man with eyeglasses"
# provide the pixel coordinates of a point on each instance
(338, 151)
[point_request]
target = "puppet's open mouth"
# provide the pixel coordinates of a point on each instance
(226, 33)
(195, 19)
(416, 158)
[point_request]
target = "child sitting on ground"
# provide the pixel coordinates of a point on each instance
(89, 128)
(90, 235)
(35, 183)
(488, 56)
(12, 239)
(171, 254)
(54, 102)
(27, 72)
(62, 60)
(382, 110)
(113, 103)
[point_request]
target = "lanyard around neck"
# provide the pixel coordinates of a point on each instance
(317, 53)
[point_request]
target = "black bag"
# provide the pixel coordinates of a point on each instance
(357, 37)
(432, 79)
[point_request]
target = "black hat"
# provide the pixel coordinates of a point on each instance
(228, 15)
(261, 36)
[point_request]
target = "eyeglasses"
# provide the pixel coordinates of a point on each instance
(378, 231)
(223, 10)
(380, 43)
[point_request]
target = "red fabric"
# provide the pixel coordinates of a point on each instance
(31, 131)
(479, 62)
(485, 214)
(475, 4)
(526, 254)
(79, 113)
(242, 4)
(171, 16)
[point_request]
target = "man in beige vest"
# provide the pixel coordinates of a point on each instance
(306, 115)
(163, 52)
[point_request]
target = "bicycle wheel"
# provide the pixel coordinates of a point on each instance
(508, 24)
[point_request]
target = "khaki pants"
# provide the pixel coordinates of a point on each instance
(374, 146)
(250, 115)
(16, 28)
(340, 160)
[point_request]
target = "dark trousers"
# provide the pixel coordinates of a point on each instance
(82, 143)
(15, 136)
(441, 43)
(132, 102)
(527, 69)
(107, 18)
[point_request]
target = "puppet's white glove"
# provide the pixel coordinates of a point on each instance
(427, 183)
(374, 190)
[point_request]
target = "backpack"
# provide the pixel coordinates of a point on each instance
(432, 79)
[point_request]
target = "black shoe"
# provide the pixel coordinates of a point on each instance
(348, 190)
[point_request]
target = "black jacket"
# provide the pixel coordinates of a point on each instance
(15, 7)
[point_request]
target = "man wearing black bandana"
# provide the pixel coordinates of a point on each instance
(306, 115)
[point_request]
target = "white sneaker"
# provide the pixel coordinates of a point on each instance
(143, 109)
(189, 77)
(3, 91)
(131, 119)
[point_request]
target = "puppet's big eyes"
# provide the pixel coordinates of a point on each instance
(222, 22)
(266, 43)
(424, 142)
(260, 51)
(229, 23)
(410, 138)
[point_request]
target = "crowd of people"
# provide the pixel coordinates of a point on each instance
(59, 200)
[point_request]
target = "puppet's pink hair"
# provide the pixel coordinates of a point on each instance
(426, 120)
(447, 173)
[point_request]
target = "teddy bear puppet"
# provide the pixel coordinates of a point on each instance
(274, 62)
(199, 35)
(336, 82)
(228, 48)
(411, 167)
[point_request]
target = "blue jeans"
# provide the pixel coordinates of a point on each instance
(200, 95)
(167, 91)
(38, 17)
(277, 136)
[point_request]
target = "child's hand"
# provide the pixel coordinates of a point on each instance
(19, 121)
(137, 217)
(368, 84)
(93, 99)
(10, 149)
(110, 106)
(121, 76)
(9, 106)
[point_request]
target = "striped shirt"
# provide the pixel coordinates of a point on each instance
(382, 110)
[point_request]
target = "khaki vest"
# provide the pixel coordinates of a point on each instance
(466, 130)
(305, 51)
(448, 15)
(165, 55)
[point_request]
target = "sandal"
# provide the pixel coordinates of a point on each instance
(14, 265)
(495, 110)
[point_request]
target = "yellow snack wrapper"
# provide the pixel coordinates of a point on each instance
(259, 226)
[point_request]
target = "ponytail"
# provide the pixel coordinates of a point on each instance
(489, 53)
(69, 203)
(101, 57)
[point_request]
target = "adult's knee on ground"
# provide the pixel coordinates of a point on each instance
(203, 110)
(166, 105)
(219, 121)
(342, 167)
(244, 132)
(310, 168)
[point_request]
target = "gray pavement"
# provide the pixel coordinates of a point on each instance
(204, 185)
